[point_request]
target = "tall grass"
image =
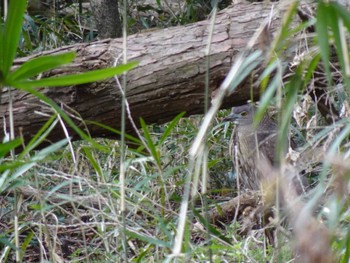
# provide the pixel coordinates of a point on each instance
(102, 200)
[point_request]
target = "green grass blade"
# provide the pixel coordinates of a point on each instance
(333, 22)
(148, 239)
(108, 128)
(249, 63)
(336, 144)
(293, 87)
(265, 76)
(76, 79)
(26, 243)
(269, 93)
(93, 161)
(150, 145)
(336, 23)
(41, 64)
(267, 97)
(312, 67)
(64, 116)
(6, 147)
(346, 257)
(322, 37)
(342, 12)
(1, 52)
(5, 180)
(170, 127)
(212, 229)
(12, 30)
(283, 37)
(40, 155)
(40, 136)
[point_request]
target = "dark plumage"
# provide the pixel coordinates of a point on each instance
(249, 143)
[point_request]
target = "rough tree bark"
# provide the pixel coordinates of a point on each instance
(169, 79)
(107, 18)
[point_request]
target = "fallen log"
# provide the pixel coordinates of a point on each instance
(169, 79)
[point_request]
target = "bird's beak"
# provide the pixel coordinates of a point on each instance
(232, 118)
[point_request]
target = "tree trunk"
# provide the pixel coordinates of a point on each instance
(107, 18)
(169, 79)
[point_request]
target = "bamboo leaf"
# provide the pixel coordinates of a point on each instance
(6, 147)
(151, 146)
(40, 136)
(322, 37)
(76, 79)
(11, 34)
(41, 64)
(170, 127)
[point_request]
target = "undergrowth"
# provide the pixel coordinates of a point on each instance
(62, 203)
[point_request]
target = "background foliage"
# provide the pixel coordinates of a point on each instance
(63, 202)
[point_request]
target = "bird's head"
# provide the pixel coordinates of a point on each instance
(242, 115)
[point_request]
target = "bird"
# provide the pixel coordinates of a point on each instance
(250, 144)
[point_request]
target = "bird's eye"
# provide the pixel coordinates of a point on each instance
(243, 113)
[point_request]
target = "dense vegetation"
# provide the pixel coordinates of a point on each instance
(99, 200)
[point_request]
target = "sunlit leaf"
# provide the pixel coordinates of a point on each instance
(38, 65)
(11, 34)
(76, 79)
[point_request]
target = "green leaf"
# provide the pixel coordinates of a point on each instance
(336, 23)
(76, 79)
(93, 161)
(8, 243)
(342, 136)
(11, 34)
(266, 75)
(333, 21)
(150, 145)
(40, 135)
(346, 244)
(212, 230)
(26, 243)
(293, 87)
(170, 127)
(108, 128)
(42, 154)
(342, 12)
(244, 69)
(312, 67)
(48, 150)
(1, 54)
(6, 147)
(322, 36)
(285, 33)
(41, 64)
(64, 116)
(148, 239)
(269, 93)
(22, 167)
